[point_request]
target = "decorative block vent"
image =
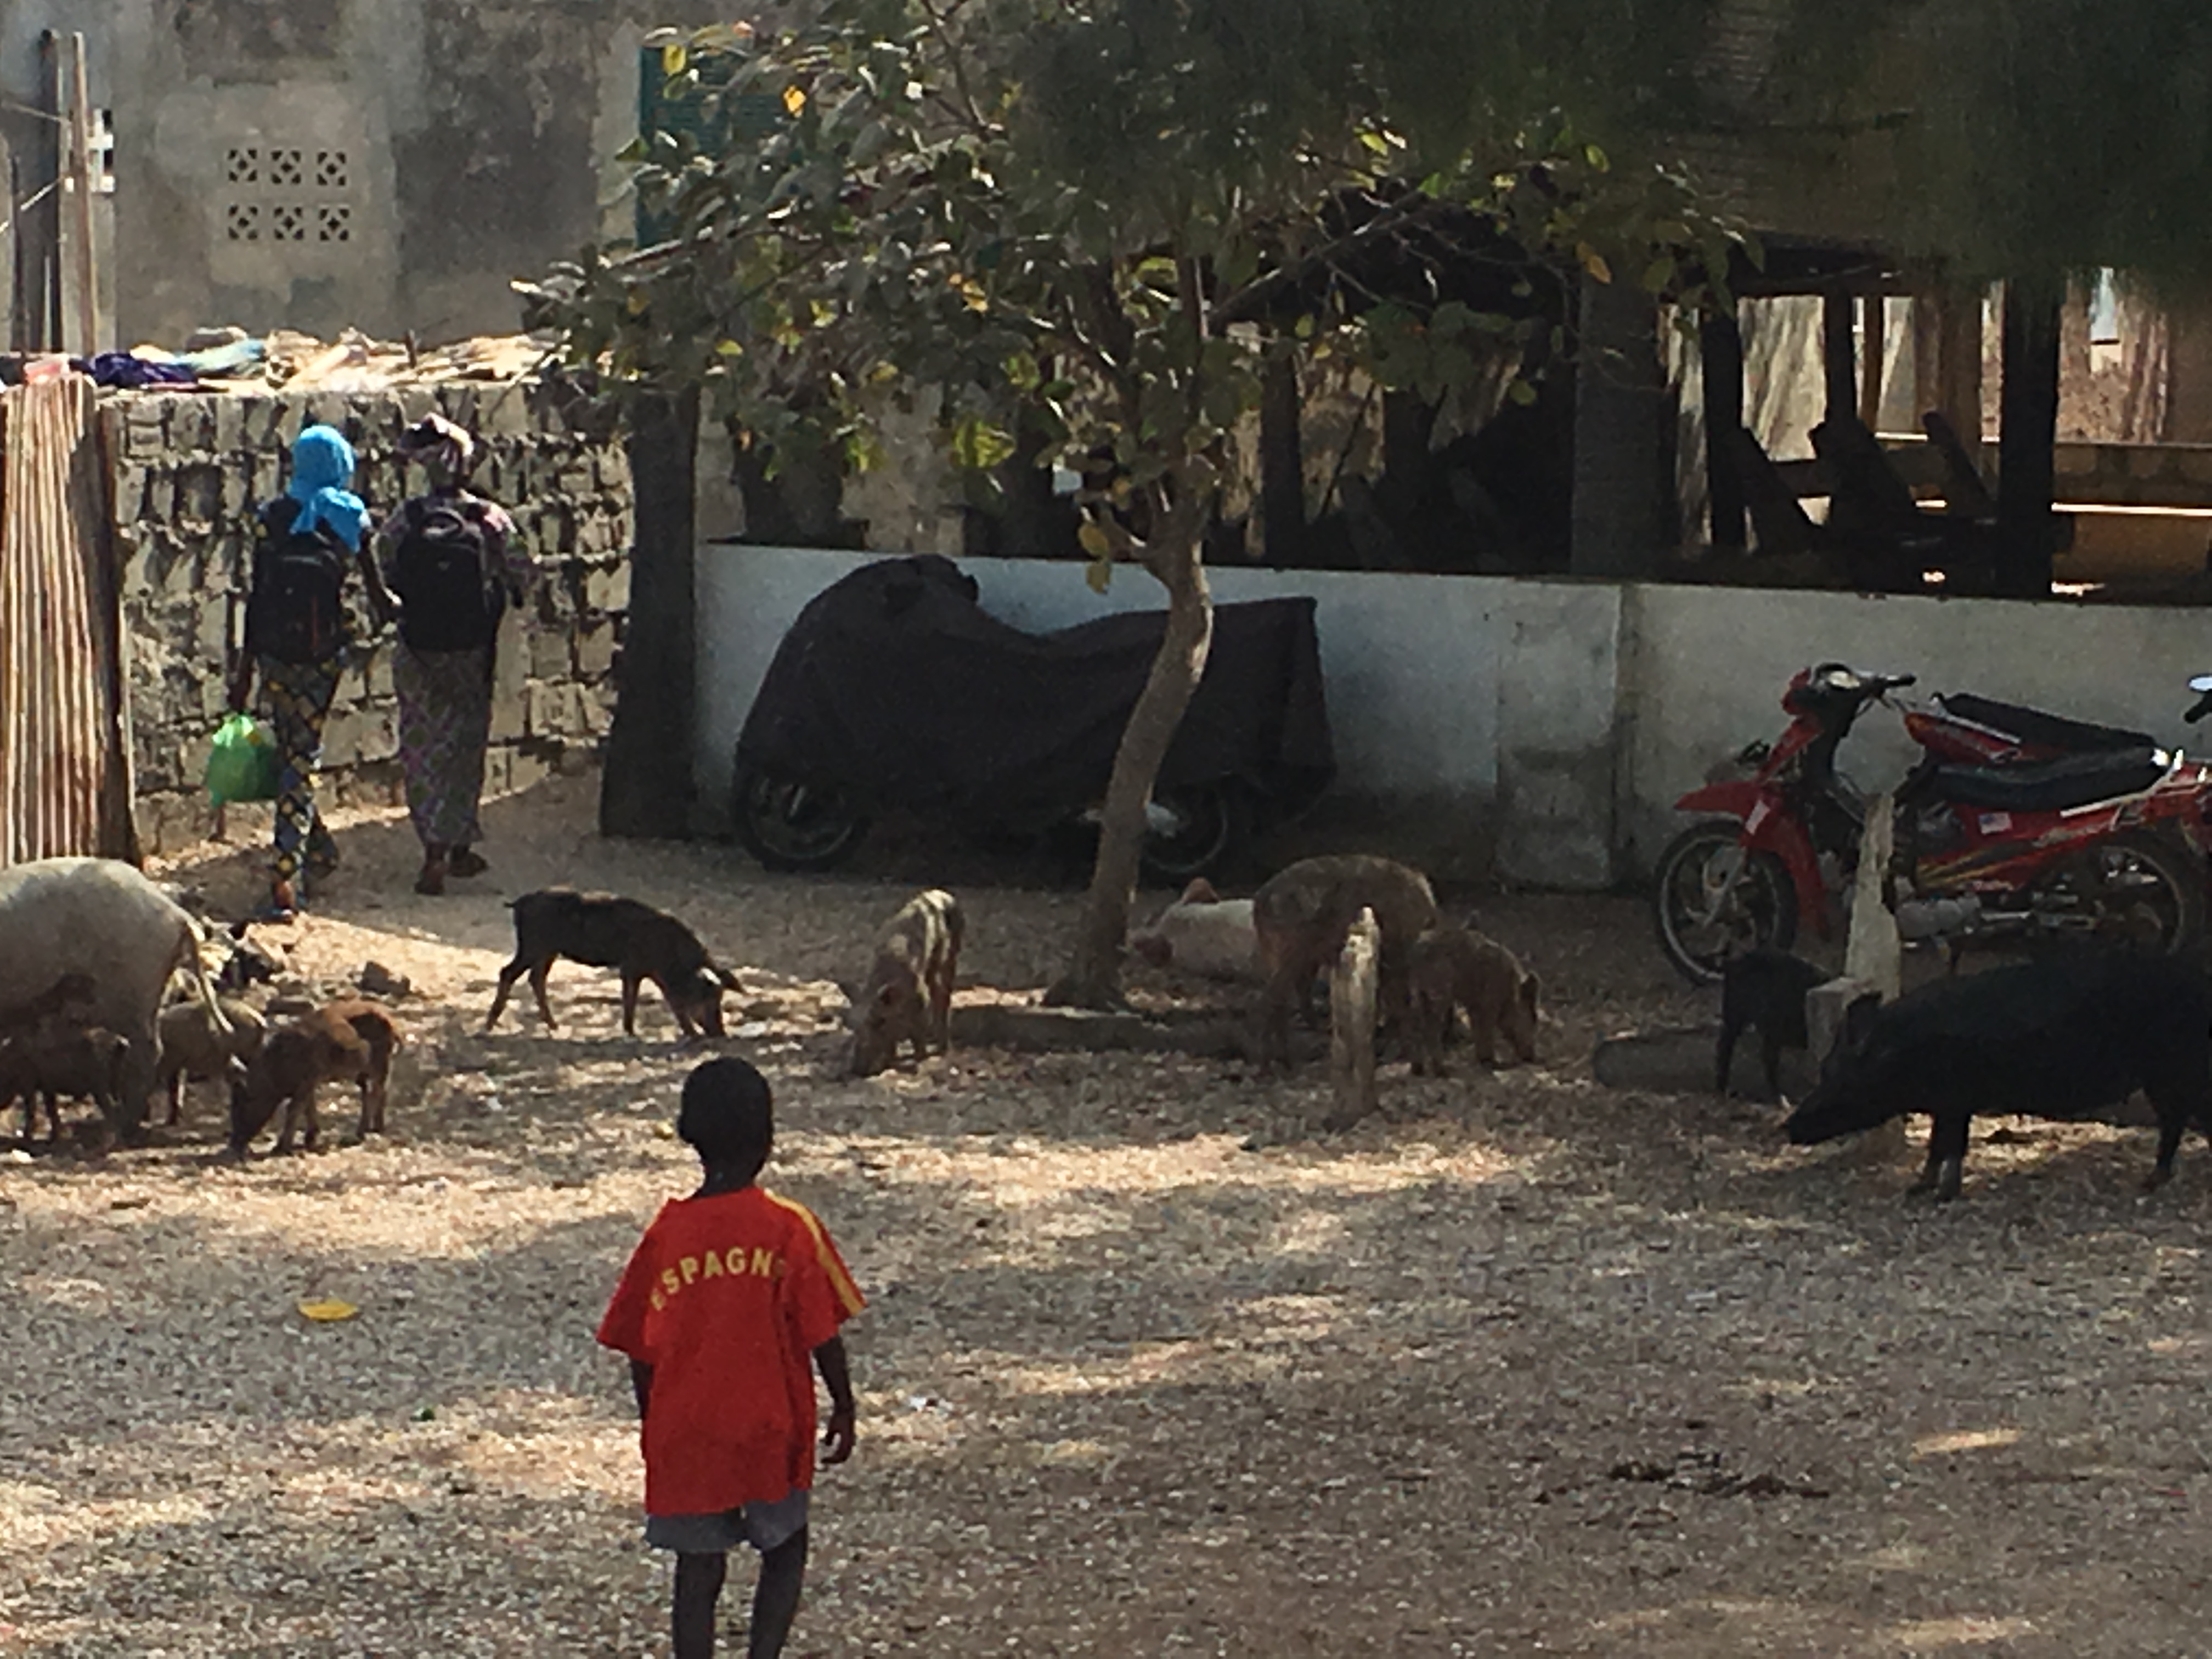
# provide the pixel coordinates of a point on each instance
(287, 193)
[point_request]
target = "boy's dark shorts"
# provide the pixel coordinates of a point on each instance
(764, 1525)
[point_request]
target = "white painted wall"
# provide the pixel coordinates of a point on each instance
(1413, 667)
(1555, 721)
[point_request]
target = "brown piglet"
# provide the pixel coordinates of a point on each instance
(192, 1048)
(1299, 921)
(603, 930)
(1452, 968)
(908, 997)
(351, 1040)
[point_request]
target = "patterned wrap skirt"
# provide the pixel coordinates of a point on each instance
(445, 723)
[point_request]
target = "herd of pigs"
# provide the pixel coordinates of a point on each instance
(111, 988)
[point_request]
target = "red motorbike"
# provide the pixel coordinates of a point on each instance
(2012, 823)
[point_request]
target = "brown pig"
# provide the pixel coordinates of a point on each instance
(908, 997)
(192, 1048)
(1299, 921)
(351, 1041)
(1452, 968)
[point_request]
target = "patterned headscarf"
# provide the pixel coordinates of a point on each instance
(322, 468)
(440, 445)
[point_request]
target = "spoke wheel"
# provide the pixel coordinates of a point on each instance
(1714, 899)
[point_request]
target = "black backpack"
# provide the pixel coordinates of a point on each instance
(445, 601)
(296, 613)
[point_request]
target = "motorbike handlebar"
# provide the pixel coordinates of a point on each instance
(2203, 708)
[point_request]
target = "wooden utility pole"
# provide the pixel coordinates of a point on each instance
(81, 186)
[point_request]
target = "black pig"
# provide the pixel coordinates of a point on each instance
(1764, 989)
(602, 930)
(2062, 1037)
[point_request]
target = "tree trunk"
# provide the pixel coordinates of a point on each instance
(1094, 975)
(646, 789)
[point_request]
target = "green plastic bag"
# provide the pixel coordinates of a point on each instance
(243, 765)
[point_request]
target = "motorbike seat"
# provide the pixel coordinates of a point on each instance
(2049, 786)
(2046, 731)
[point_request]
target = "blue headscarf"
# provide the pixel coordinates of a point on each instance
(322, 467)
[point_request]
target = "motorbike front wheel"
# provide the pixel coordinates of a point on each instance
(790, 825)
(1713, 898)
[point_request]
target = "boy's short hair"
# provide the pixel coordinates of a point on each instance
(727, 1116)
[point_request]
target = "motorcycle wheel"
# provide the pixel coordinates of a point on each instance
(1211, 822)
(1700, 936)
(2139, 891)
(793, 826)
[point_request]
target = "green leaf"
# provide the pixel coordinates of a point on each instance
(978, 445)
(1596, 158)
(1094, 540)
(1098, 576)
(1659, 275)
(1522, 393)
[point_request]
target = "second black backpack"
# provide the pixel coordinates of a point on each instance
(438, 574)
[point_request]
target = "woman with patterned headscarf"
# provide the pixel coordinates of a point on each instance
(297, 639)
(450, 558)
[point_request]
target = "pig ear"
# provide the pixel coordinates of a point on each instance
(1200, 891)
(1859, 1018)
(727, 980)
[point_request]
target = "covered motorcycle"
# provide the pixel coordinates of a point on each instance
(895, 689)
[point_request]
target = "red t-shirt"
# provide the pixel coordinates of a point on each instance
(726, 1297)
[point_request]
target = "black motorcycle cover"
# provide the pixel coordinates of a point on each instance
(893, 682)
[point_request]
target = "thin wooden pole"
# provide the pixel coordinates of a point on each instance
(81, 185)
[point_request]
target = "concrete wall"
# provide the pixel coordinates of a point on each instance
(430, 149)
(187, 470)
(1448, 696)
(1541, 731)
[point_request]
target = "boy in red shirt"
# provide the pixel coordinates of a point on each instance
(724, 1300)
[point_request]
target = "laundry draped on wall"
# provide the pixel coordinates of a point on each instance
(64, 782)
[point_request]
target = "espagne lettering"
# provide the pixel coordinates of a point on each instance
(736, 1262)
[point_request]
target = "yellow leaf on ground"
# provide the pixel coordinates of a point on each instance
(328, 1311)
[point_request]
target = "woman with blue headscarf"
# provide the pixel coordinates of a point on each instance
(297, 639)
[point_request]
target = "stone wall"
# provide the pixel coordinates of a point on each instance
(188, 470)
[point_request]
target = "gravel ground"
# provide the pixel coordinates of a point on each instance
(1525, 1365)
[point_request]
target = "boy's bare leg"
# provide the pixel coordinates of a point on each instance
(775, 1602)
(698, 1588)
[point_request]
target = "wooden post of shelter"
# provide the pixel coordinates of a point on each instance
(1874, 335)
(2027, 434)
(1838, 353)
(1720, 340)
(1955, 390)
(1282, 461)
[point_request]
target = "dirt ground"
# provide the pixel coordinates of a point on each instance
(1528, 1365)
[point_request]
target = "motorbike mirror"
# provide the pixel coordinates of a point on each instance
(2202, 685)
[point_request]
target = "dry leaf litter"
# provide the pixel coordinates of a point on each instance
(1524, 1365)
